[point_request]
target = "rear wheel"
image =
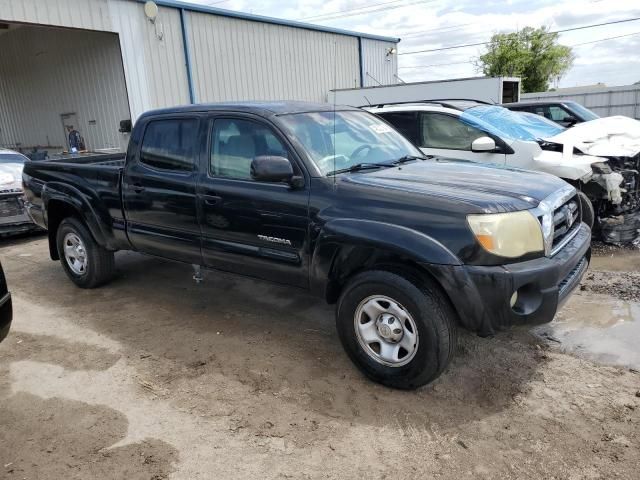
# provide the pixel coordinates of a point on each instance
(86, 263)
(399, 333)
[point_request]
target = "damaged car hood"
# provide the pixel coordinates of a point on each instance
(488, 188)
(616, 136)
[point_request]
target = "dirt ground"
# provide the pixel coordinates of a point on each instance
(155, 377)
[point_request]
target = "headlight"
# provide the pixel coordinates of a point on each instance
(508, 234)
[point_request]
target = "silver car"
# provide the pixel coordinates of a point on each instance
(13, 216)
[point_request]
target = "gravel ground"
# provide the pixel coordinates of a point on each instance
(154, 377)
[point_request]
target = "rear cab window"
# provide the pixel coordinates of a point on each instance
(170, 144)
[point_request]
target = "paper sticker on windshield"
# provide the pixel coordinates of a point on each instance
(380, 128)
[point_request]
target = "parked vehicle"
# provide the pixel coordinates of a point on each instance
(333, 201)
(6, 309)
(13, 216)
(564, 113)
(607, 177)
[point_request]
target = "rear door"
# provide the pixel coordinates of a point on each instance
(259, 229)
(159, 189)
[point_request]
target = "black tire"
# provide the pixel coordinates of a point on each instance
(588, 214)
(100, 265)
(431, 312)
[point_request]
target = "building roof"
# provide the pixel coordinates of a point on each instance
(194, 7)
(258, 107)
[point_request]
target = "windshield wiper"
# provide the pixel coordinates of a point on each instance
(360, 166)
(407, 158)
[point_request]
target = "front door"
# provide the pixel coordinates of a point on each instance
(159, 190)
(259, 229)
(446, 136)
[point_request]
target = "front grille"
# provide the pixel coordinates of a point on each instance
(566, 219)
(11, 207)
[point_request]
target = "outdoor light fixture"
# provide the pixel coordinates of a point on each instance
(391, 51)
(151, 12)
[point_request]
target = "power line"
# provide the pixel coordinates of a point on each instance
(366, 12)
(472, 61)
(349, 10)
(437, 64)
(605, 39)
(452, 47)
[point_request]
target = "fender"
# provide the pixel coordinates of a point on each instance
(88, 208)
(351, 239)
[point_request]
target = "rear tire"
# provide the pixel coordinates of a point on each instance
(376, 300)
(86, 263)
(588, 214)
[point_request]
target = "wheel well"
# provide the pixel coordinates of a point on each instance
(352, 261)
(57, 211)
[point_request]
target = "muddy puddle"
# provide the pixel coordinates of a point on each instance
(597, 327)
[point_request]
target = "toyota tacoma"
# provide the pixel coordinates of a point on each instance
(332, 200)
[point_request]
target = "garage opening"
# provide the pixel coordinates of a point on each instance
(51, 78)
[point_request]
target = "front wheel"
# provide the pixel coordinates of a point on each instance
(399, 333)
(86, 263)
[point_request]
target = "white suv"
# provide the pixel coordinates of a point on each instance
(473, 131)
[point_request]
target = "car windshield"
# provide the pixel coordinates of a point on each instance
(11, 158)
(347, 139)
(510, 125)
(584, 112)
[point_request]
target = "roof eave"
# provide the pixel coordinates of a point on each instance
(264, 19)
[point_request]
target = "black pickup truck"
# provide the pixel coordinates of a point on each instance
(334, 201)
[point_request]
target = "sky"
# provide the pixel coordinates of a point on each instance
(431, 24)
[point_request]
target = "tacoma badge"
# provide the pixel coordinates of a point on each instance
(281, 241)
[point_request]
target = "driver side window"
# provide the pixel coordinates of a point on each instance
(444, 131)
(236, 142)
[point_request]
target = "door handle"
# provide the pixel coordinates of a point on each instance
(211, 200)
(138, 188)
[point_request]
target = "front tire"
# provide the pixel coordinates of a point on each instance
(588, 214)
(86, 263)
(399, 333)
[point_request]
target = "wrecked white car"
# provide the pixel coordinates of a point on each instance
(600, 157)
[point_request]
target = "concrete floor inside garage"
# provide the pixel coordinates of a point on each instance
(154, 376)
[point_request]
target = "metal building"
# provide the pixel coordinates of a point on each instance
(603, 100)
(92, 63)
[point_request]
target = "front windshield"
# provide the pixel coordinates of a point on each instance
(343, 139)
(584, 112)
(510, 125)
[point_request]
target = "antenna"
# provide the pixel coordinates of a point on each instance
(335, 86)
(368, 101)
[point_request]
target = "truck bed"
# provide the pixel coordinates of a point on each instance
(101, 159)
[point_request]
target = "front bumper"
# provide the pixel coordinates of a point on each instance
(482, 295)
(13, 215)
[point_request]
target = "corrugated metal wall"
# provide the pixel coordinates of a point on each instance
(240, 60)
(232, 58)
(47, 72)
(378, 67)
(605, 101)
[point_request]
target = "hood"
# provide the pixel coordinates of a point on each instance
(486, 188)
(11, 176)
(603, 137)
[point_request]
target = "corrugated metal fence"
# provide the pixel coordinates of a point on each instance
(605, 101)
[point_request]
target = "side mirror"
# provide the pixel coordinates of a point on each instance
(269, 168)
(483, 144)
(569, 120)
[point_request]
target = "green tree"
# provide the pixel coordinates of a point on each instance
(533, 54)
